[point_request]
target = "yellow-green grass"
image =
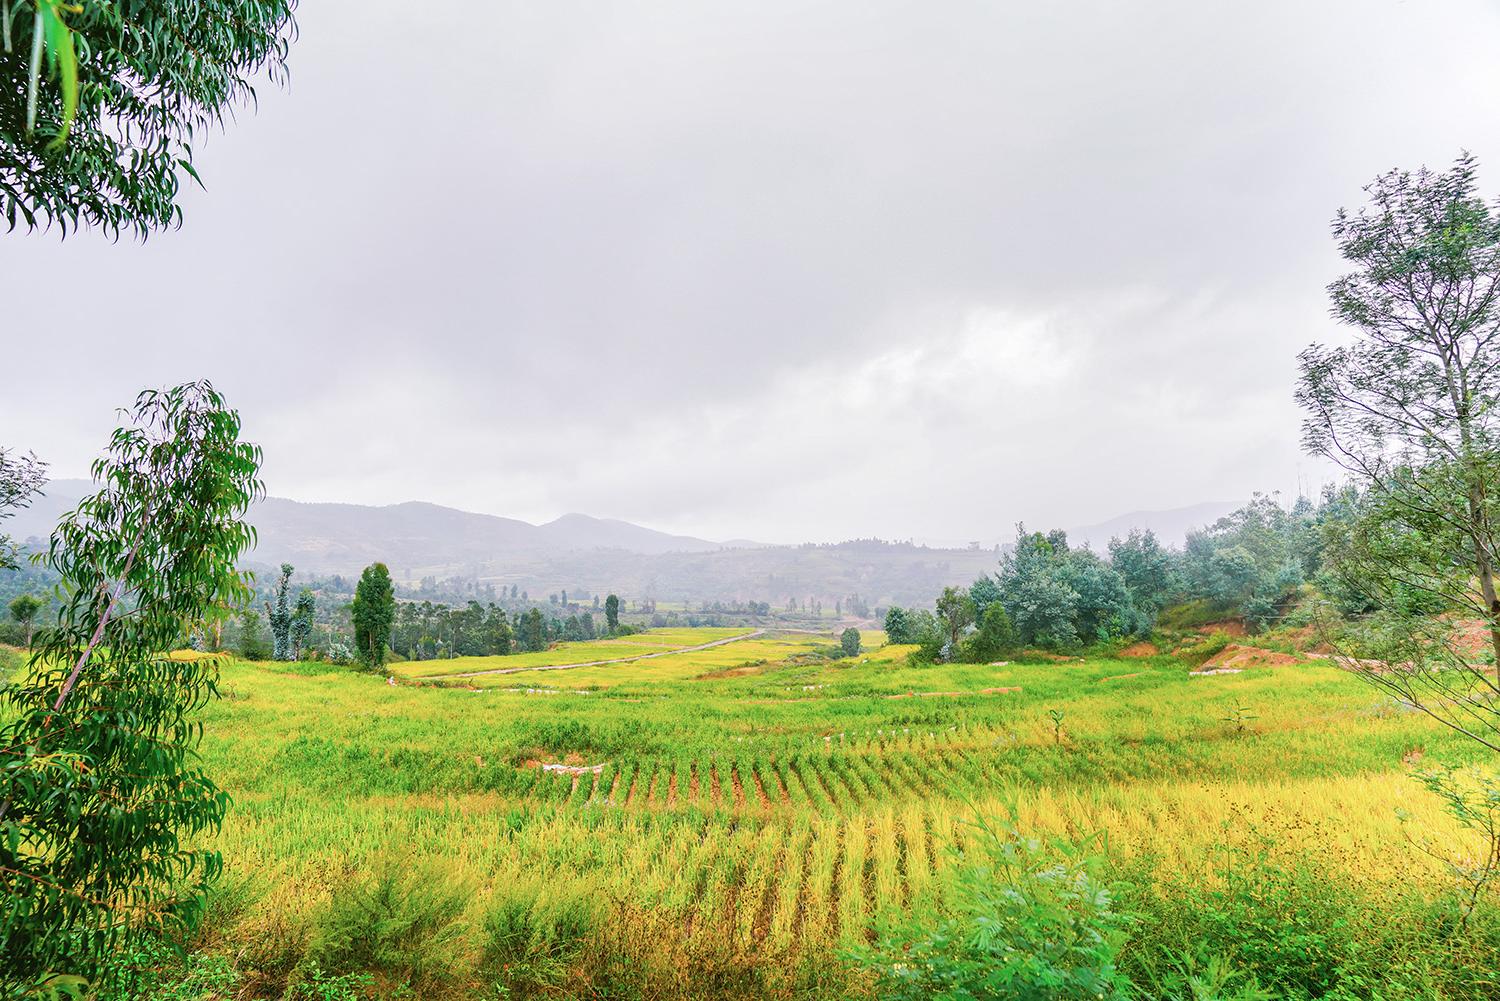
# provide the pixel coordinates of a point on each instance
(759, 810)
(775, 813)
(748, 656)
(617, 648)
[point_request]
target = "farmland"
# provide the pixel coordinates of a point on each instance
(729, 822)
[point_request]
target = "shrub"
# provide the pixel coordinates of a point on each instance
(530, 948)
(1286, 924)
(402, 921)
(319, 986)
(1026, 923)
(1185, 977)
(993, 640)
(152, 970)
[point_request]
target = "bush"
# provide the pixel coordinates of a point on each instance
(992, 641)
(849, 641)
(339, 652)
(1287, 925)
(1026, 923)
(402, 921)
(531, 948)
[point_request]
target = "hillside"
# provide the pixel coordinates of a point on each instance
(588, 555)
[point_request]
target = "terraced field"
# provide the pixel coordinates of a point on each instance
(741, 814)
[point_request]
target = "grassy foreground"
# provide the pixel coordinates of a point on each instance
(729, 823)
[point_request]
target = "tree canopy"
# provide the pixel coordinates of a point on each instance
(374, 612)
(101, 103)
(1408, 408)
(21, 476)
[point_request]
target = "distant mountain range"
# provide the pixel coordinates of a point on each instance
(589, 555)
(336, 538)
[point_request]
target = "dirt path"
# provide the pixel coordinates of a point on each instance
(596, 663)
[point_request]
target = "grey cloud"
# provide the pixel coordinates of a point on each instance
(709, 266)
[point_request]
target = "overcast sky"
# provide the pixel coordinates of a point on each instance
(780, 271)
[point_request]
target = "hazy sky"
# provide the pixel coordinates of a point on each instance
(784, 271)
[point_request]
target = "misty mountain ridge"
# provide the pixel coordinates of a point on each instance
(326, 536)
(585, 554)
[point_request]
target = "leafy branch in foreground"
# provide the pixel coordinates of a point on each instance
(100, 102)
(100, 794)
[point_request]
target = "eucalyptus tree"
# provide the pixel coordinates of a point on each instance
(279, 617)
(21, 478)
(374, 611)
(302, 622)
(101, 796)
(1409, 410)
(100, 103)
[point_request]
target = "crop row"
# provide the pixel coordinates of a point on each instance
(800, 783)
(771, 883)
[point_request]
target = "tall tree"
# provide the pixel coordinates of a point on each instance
(280, 617)
(533, 631)
(100, 792)
(1038, 597)
(898, 626)
(252, 644)
(956, 609)
(1145, 566)
(106, 138)
(612, 612)
(302, 622)
(497, 632)
(21, 476)
(23, 608)
(374, 610)
(1408, 409)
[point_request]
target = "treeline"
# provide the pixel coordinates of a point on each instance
(425, 631)
(376, 627)
(1048, 594)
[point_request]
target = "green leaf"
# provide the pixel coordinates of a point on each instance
(64, 60)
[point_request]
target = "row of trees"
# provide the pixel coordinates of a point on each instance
(423, 630)
(1048, 594)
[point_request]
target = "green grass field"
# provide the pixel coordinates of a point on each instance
(727, 823)
(655, 642)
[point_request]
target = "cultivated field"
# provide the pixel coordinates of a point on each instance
(726, 822)
(656, 643)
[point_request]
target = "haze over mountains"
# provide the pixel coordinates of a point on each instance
(588, 555)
